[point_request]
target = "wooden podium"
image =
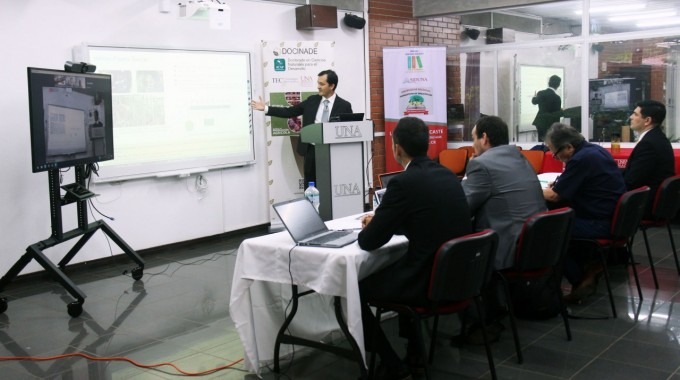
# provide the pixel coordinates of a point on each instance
(340, 165)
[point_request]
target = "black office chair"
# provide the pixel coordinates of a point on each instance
(625, 221)
(665, 207)
(541, 248)
(461, 268)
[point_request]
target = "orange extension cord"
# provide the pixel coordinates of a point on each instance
(119, 359)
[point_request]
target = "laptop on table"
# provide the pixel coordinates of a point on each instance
(307, 228)
(347, 117)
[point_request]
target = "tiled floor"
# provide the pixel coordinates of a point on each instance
(178, 313)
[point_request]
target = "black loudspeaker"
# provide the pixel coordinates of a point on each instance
(473, 34)
(354, 21)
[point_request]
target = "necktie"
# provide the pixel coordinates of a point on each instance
(326, 112)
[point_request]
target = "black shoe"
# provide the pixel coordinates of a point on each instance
(390, 373)
(415, 363)
(475, 336)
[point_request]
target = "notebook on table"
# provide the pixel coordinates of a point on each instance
(307, 228)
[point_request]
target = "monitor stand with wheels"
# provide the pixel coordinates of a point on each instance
(79, 194)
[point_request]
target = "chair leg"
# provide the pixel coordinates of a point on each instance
(649, 256)
(433, 340)
(675, 254)
(371, 363)
(511, 314)
(421, 342)
(487, 346)
(603, 261)
(629, 249)
(563, 311)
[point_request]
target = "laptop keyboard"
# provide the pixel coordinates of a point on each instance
(330, 237)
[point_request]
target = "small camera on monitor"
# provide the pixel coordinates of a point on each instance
(79, 67)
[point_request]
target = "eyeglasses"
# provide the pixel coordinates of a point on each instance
(556, 153)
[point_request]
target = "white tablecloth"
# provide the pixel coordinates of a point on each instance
(261, 288)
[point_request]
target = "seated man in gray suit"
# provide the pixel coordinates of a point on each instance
(502, 191)
(501, 187)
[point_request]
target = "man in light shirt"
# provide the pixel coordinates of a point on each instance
(315, 109)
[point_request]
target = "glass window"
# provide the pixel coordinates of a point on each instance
(627, 72)
(506, 57)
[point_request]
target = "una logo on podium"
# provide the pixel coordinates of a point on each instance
(279, 64)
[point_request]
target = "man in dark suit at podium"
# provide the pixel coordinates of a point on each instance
(549, 106)
(315, 109)
(652, 159)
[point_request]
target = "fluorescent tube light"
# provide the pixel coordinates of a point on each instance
(659, 22)
(643, 16)
(615, 8)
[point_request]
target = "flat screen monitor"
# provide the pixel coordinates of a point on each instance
(70, 118)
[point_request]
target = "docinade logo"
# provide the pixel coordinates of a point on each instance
(279, 64)
(346, 190)
(347, 131)
(414, 62)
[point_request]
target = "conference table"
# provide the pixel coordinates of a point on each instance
(620, 156)
(271, 276)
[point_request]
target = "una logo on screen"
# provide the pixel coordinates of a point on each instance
(414, 62)
(279, 64)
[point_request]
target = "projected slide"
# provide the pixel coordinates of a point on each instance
(176, 110)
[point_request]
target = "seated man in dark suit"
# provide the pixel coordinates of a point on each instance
(652, 159)
(591, 184)
(425, 203)
(315, 109)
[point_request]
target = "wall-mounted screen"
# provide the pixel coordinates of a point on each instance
(610, 94)
(176, 110)
(71, 119)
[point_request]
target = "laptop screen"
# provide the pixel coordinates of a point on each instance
(386, 177)
(379, 196)
(347, 117)
(300, 218)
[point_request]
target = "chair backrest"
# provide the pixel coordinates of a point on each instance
(470, 150)
(535, 158)
(462, 266)
(667, 201)
(629, 212)
(454, 159)
(543, 240)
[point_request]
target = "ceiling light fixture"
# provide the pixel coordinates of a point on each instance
(615, 8)
(659, 22)
(643, 16)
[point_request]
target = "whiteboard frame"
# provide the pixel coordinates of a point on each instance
(524, 98)
(182, 167)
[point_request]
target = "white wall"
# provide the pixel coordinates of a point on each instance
(148, 212)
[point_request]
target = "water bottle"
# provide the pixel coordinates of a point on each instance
(312, 194)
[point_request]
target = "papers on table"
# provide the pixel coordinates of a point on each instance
(546, 178)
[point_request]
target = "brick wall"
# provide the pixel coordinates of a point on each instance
(391, 24)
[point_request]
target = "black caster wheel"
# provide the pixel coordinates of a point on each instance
(75, 308)
(137, 273)
(3, 305)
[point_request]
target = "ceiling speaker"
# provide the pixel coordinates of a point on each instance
(354, 21)
(473, 34)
